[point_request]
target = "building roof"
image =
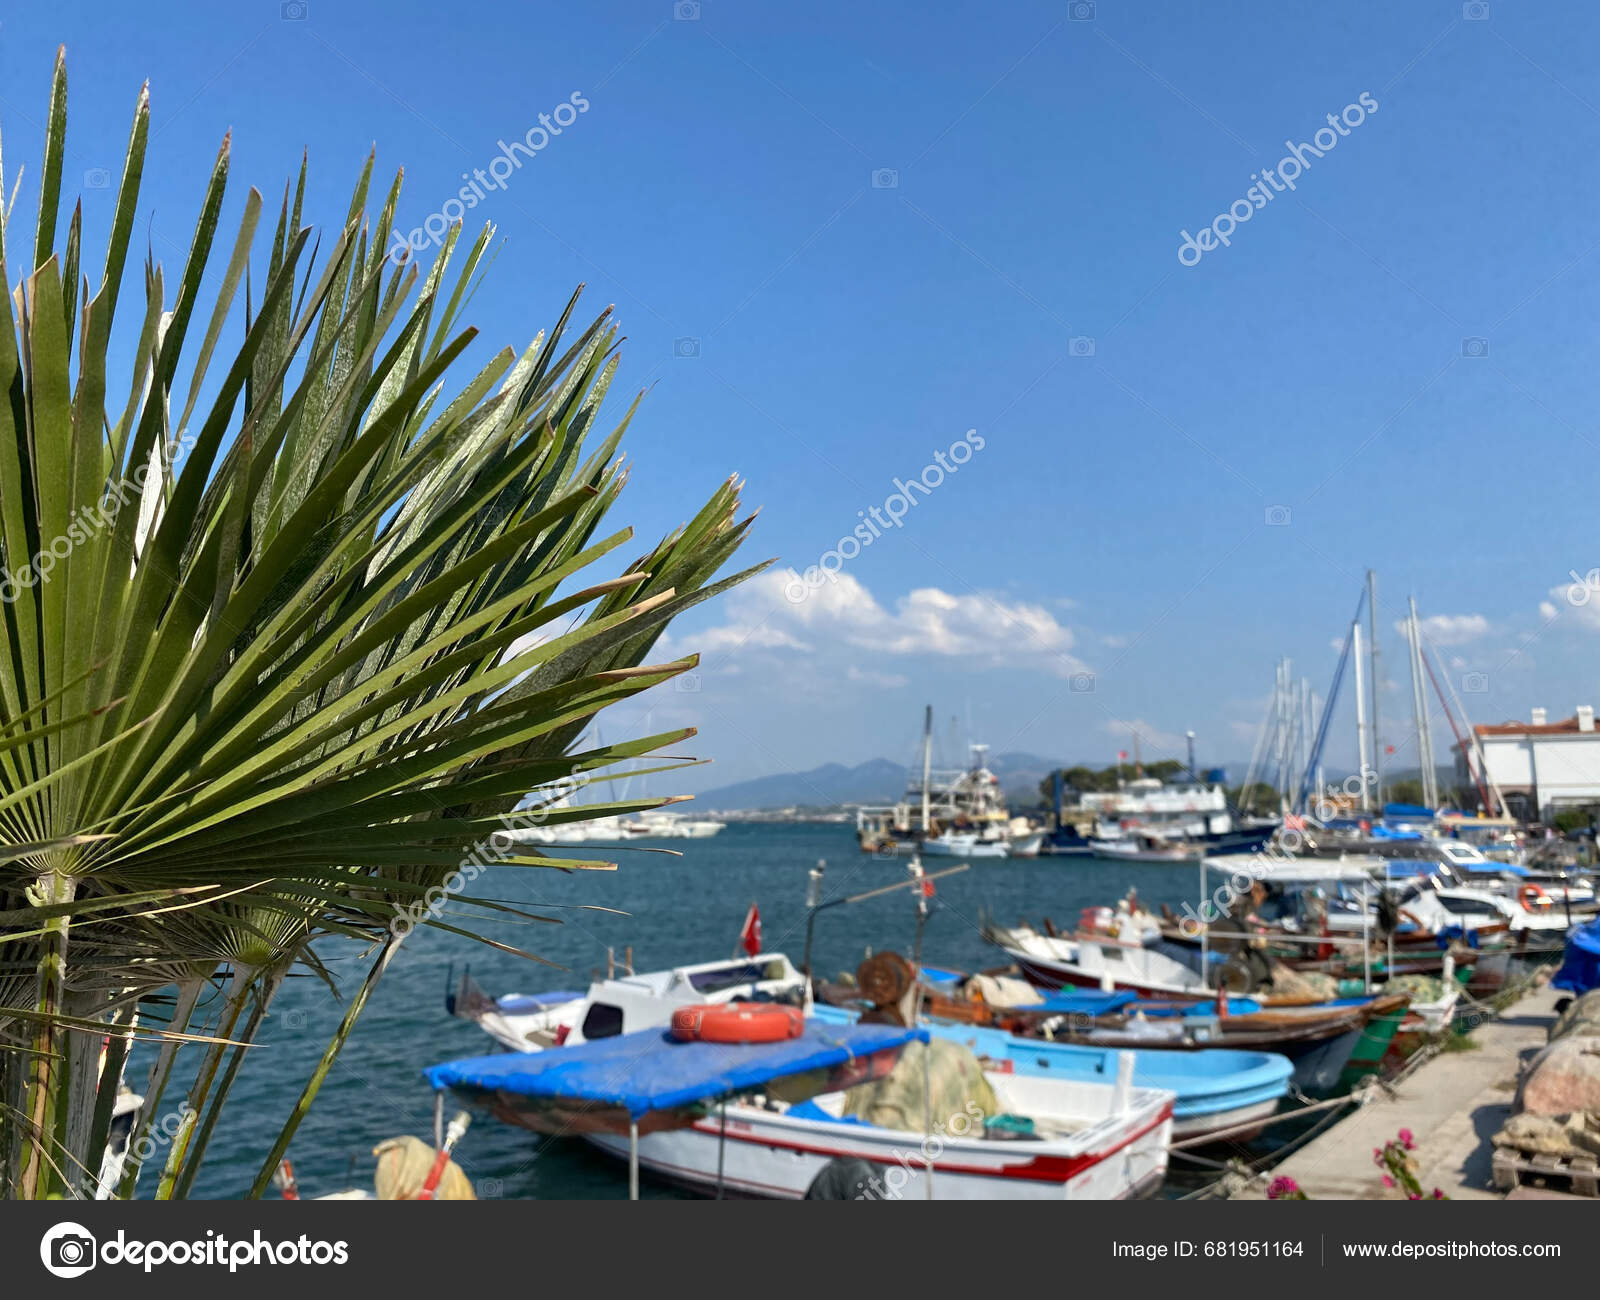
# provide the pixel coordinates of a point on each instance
(1567, 726)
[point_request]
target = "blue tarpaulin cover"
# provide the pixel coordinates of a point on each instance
(1409, 810)
(650, 1070)
(1080, 1004)
(1580, 967)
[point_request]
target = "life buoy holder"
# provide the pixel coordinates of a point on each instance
(1531, 896)
(738, 1022)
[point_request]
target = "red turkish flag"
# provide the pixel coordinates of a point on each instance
(1122, 753)
(927, 889)
(750, 935)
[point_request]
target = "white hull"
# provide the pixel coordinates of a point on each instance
(963, 846)
(1130, 851)
(772, 1156)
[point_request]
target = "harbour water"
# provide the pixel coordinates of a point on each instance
(678, 910)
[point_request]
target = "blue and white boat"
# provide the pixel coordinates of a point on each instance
(1217, 1089)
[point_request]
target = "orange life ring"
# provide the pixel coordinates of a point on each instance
(738, 1022)
(1531, 896)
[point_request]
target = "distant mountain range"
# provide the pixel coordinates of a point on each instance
(882, 781)
(877, 781)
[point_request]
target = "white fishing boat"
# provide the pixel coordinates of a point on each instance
(1146, 846)
(950, 845)
(1051, 1138)
(1085, 961)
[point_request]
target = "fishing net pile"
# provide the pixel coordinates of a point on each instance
(955, 1087)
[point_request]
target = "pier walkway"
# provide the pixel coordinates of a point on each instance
(1453, 1106)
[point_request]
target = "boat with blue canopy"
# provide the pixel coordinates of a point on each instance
(766, 1119)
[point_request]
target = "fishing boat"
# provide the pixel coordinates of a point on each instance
(1161, 970)
(616, 1077)
(948, 814)
(1147, 846)
(1215, 1091)
(952, 845)
(1194, 813)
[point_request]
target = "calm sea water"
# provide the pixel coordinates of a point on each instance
(677, 910)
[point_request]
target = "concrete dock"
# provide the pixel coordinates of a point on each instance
(1453, 1105)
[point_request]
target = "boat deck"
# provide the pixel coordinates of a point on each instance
(1453, 1106)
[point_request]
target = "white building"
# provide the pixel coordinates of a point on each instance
(1540, 766)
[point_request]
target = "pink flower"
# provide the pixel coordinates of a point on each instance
(1377, 1155)
(1438, 1195)
(1406, 1139)
(1413, 1196)
(1387, 1181)
(1281, 1187)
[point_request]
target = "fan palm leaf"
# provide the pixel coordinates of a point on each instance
(288, 640)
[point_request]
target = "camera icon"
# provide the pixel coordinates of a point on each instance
(1080, 347)
(1475, 11)
(1475, 683)
(1474, 347)
(686, 11)
(885, 178)
(490, 1189)
(97, 178)
(688, 684)
(295, 1019)
(1081, 11)
(685, 347)
(884, 850)
(292, 11)
(1081, 683)
(1278, 516)
(68, 1250)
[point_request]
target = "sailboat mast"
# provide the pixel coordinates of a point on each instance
(927, 767)
(1377, 687)
(1361, 718)
(1419, 699)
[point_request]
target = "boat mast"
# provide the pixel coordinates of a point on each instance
(1377, 686)
(1430, 791)
(927, 768)
(1361, 719)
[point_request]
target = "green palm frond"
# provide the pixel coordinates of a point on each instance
(288, 629)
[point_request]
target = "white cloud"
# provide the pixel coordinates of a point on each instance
(867, 677)
(988, 631)
(1451, 629)
(1577, 599)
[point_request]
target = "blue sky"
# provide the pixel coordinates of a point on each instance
(839, 237)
